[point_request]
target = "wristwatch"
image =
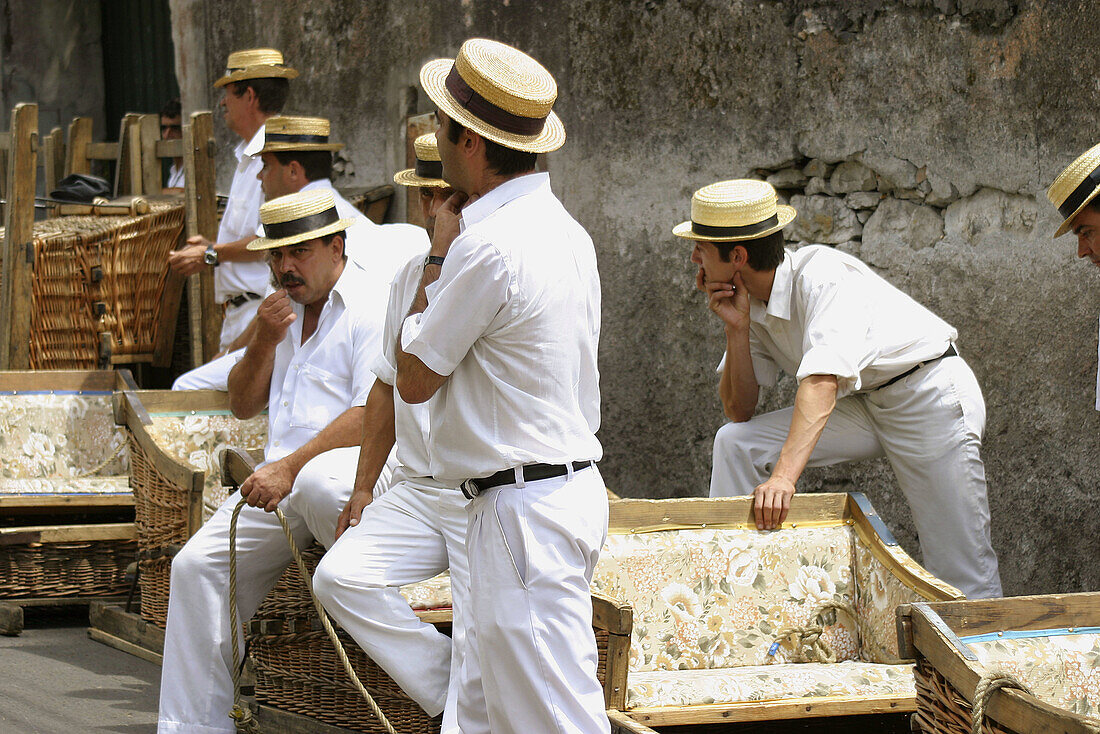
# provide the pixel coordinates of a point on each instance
(434, 260)
(210, 257)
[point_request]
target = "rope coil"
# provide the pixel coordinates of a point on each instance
(987, 684)
(809, 645)
(241, 714)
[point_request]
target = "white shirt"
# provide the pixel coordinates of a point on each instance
(313, 383)
(242, 216)
(829, 314)
(412, 421)
(175, 177)
(514, 320)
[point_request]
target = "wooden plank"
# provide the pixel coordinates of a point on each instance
(169, 148)
(609, 614)
(202, 219)
(53, 159)
(67, 533)
(623, 724)
(128, 159)
(125, 646)
(67, 380)
(277, 721)
(1019, 711)
(101, 152)
(66, 502)
(11, 619)
(1051, 611)
(632, 515)
(65, 601)
(148, 129)
(176, 401)
(128, 626)
(415, 126)
(796, 708)
(17, 269)
(237, 465)
(80, 137)
(616, 672)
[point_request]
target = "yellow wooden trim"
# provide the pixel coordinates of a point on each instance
(728, 526)
(902, 566)
(791, 708)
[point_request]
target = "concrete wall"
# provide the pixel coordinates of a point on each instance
(50, 53)
(918, 134)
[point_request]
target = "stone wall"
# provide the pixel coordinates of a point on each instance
(917, 134)
(50, 53)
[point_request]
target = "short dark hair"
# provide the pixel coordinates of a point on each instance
(343, 235)
(172, 108)
(317, 164)
(271, 93)
(764, 253)
(1094, 204)
(504, 161)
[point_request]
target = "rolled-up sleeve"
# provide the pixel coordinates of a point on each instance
(836, 340)
(473, 288)
(385, 363)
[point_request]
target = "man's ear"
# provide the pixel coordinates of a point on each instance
(296, 170)
(471, 142)
(739, 256)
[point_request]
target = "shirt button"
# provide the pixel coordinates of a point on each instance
(276, 443)
(285, 403)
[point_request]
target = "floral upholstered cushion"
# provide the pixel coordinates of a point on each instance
(60, 436)
(1062, 670)
(198, 440)
(878, 594)
(435, 593)
(81, 485)
(754, 683)
(715, 598)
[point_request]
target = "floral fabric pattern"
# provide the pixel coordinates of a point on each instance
(754, 683)
(717, 598)
(198, 440)
(83, 485)
(434, 593)
(59, 437)
(878, 594)
(1062, 670)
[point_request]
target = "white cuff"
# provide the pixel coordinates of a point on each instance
(410, 329)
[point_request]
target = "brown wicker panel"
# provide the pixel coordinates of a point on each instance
(160, 507)
(297, 669)
(153, 582)
(61, 570)
(941, 709)
(131, 255)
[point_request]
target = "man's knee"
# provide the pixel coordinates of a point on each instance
(733, 438)
(336, 578)
(189, 564)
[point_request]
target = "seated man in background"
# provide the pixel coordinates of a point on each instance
(878, 375)
(1073, 194)
(309, 364)
(414, 532)
(171, 128)
(297, 156)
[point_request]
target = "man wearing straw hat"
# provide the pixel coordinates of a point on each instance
(413, 532)
(1073, 194)
(254, 88)
(878, 375)
(297, 156)
(503, 332)
(308, 364)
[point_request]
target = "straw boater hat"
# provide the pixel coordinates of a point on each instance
(1075, 187)
(297, 133)
(498, 92)
(729, 211)
(255, 63)
(298, 217)
(428, 170)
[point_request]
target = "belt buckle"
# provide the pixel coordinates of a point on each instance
(469, 489)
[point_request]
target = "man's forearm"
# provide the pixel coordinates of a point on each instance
(249, 381)
(737, 387)
(379, 435)
(237, 251)
(813, 404)
(345, 430)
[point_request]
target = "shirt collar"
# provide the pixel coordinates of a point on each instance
(779, 301)
(251, 148)
(507, 192)
(320, 184)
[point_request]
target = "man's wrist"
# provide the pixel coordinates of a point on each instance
(434, 260)
(210, 255)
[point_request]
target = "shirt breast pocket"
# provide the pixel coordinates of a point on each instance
(320, 397)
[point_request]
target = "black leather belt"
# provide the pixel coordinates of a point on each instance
(243, 298)
(531, 473)
(949, 353)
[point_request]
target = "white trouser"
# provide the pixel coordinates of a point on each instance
(412, 533)
(529, 644)
(196, 686)
(214, 375)
(929, 425)
(236, 320)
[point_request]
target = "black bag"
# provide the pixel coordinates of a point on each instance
(80, 188)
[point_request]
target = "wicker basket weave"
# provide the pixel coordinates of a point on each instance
(116, 261)
(64, 570)
(942, 710)
(297, 670)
